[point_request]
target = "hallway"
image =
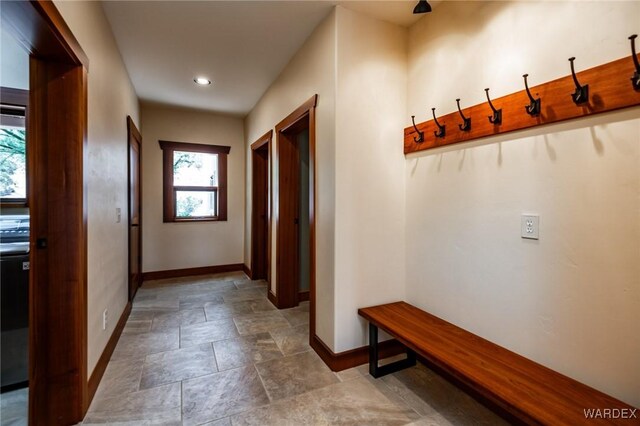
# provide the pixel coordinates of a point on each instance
(213, 350)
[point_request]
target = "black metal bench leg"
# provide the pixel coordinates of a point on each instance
(379, 371)
(373, 350)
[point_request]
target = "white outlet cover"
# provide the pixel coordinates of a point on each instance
(118, 215)
(530, 227)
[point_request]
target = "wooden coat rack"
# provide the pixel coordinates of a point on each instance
(611, 87)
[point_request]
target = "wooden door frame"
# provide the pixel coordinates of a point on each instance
(306, 111)
(57, 134)
(133, 132)
(263, 142)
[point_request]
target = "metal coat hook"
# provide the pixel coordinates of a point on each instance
(420, 137)
(581, 95)
(441, 128)
(533, 108)
(496, 118)
(466, 122)
(635, 80)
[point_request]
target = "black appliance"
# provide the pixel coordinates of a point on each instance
(14, 300)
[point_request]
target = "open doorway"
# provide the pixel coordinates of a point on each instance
(295, 217)
(57, 129)
(14, 231)
(304, 260)
(135, 207)
(260, 209)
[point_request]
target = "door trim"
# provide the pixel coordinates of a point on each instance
(133, 132)
(260, 144)
(57, 132)
(305, 111)
(41, 30)
(262, 140)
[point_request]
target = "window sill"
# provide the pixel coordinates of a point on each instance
(6, 204)
(195, 219)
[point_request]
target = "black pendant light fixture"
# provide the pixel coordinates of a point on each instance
(422, 7)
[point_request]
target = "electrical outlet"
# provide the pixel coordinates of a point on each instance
(118, 215)
(530, 227)
(105, 319)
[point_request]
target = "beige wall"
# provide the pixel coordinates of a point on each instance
(189, 245)
(370, 203)
(311, 71)
(570, 300)
(111, 98)
(357, 66)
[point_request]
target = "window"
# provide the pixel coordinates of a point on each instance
(195, 181)
(13, 147)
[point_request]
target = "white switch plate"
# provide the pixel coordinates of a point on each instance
(530, 227)
(118, 215)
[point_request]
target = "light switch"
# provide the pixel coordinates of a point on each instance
(118, 215)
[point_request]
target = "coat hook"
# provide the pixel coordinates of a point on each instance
(420, 137)
(441, 129)
(496, 118)
(533, 108)
(581, 95)
(466, 122)
(635, 80)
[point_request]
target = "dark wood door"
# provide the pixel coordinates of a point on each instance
(288, 249)
(259, 214)
(135, 217)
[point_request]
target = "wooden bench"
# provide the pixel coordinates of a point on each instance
(527, 391)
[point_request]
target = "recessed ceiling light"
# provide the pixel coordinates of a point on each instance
(202, 81)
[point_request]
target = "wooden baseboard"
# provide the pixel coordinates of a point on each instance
(303, 296)
(272, 297)
(101, 366)
(354, 357)
(188, 272)
(247, 271)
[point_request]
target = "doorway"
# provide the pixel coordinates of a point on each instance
(57, 129)
(14, 233)
(135, 207)
(260, 209)
(295, 218)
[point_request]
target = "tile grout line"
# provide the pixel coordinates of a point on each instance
(266, 391)
(215, 357)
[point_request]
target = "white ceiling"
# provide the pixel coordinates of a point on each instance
(14, 63)
(241, 45)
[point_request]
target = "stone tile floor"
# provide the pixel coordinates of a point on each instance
(13, 407)
(212, 350)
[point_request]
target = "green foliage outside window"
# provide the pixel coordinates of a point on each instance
(186, 206)
(12, 161)
(184, 159)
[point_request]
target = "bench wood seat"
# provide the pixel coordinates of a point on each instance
(526, 390)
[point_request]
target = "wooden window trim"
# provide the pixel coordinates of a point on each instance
(169, 190)
(18, 98)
